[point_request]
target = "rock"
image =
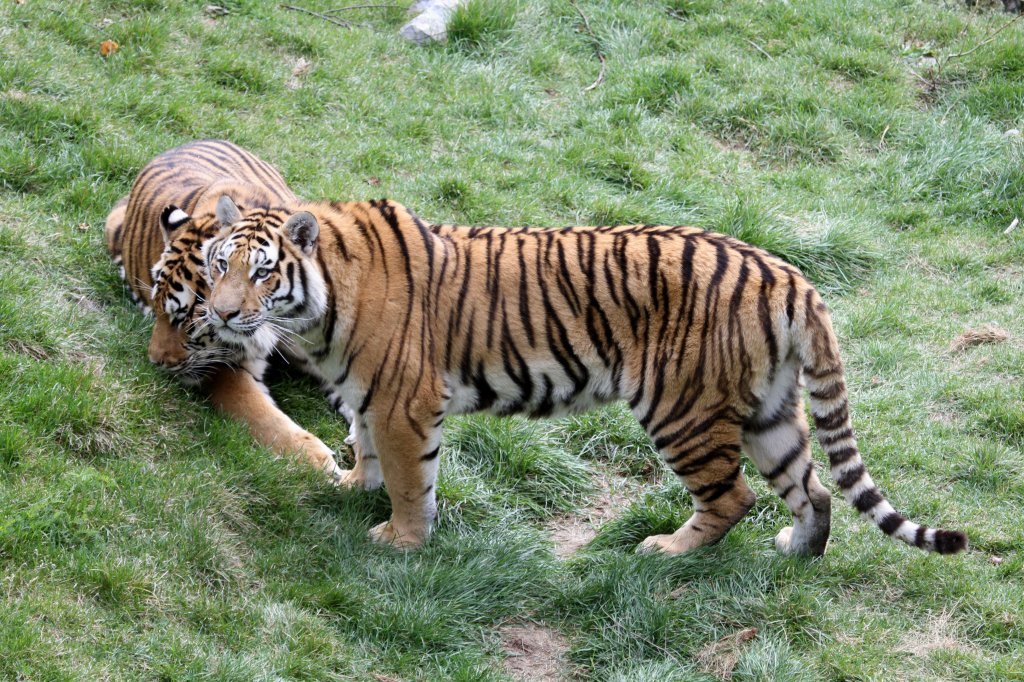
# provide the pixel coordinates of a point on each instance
(431, 23)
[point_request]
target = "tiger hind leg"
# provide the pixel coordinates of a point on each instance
(707, 459)
(778, 441)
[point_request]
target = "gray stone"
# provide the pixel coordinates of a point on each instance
(431, 23)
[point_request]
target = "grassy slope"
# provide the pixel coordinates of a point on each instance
(141, 536)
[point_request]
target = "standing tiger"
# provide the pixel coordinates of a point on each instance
(706, 338)
(156, 247)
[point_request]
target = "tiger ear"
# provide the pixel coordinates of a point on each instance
(171, 219)
(227, 213)
(303, 230)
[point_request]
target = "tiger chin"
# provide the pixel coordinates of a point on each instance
(156, 246)
(708, 339)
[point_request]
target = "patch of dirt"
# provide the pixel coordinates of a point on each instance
(840, 83)
(988, 333)
(727, 145)
(939, 634)
(947, 417)
(570, 533)
(534, 652)
(719, 658)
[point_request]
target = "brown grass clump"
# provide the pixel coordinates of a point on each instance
(988, 333)
(719, 658)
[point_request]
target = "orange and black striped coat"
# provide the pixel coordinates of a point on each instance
(706, 338)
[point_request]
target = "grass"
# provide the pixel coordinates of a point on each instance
(142, 536)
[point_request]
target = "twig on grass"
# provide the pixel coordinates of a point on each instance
(761, 50)
(989, 39)
(336, 22)
(351, 7)
(596, 44)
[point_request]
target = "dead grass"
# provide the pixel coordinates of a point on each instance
(940, 634)
(988, 333)
(719, 658)
(300, 69)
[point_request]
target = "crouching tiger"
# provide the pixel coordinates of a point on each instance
(705, 337)
(156, 247)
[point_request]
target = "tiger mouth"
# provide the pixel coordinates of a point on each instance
(236, 336)
(202, 364)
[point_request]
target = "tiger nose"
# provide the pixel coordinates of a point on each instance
(226, 314)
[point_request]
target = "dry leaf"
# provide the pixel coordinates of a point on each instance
(373, 181)
(301, 67)
(384, 678)
(84, 227)
(719, 658)
(108, 47)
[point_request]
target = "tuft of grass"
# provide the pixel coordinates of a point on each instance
(612, 436)
(657, 514)
(1000, 410)
(830, 253)
(479, 23)
(522, 459)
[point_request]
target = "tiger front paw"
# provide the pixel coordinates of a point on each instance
(339, 476)
(658, 544)
(386, 534)
(784, 541)
(354, 479)
(363, 476)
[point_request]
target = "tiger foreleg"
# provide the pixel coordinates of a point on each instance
(239, 395)
(409, 462)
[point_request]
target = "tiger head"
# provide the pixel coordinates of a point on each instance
(181, 343)
(263, 282)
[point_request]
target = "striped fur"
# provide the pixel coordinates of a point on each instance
(156, 246)
(705, 337)
(163, 270)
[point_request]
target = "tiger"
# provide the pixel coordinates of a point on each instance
(156, 248)
(709, 340)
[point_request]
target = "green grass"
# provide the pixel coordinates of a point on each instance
(142, 536)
